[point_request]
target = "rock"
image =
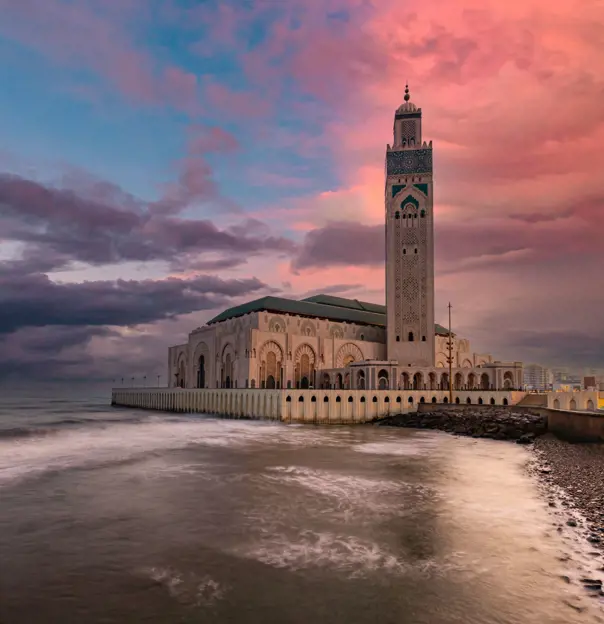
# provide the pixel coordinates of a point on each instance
(565, 578)
(590, 581)
(571, 522)
(593, 539)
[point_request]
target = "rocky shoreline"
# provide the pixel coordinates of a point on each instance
(497, 423)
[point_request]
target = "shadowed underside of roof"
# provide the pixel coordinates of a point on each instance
(318, 306)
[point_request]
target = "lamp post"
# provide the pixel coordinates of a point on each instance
(450, 357)
(158, 380)
(144, 381)
(133, 382)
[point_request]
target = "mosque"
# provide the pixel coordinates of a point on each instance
(331, 342)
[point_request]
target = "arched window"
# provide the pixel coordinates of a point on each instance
(411, 337)
(288, 400)
(375, 399)
(301, 399)
(423, 339)
(415, 250)
(326, 400)
(338, 399)
(398, 338)
(314, 399)
(404, 252)
(397, 215)
(350, 399)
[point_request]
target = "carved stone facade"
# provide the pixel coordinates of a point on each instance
(270, 350)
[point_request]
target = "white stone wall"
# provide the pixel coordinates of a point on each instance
(584, 400)
(297, 406)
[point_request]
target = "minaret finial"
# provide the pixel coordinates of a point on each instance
(407, 96)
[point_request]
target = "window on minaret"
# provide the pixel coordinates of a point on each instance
(411, 337)
(397, 215)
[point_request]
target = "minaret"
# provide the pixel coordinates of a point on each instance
(409, 241)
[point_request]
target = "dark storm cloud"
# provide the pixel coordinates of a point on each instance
(36, 301)
(100, 224)
(342, 243)
(474, 244)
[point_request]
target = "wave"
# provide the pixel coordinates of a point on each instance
(53, 427)
(119, 440)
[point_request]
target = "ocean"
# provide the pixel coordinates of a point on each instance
(112, 515)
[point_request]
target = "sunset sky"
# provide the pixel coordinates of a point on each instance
(161, 160)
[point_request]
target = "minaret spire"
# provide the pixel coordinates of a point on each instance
(407, 96)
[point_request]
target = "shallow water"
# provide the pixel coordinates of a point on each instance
(114, 515)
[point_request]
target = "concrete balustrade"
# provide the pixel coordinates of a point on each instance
(301, 406)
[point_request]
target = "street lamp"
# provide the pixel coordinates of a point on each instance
(450, 357)
(158, 380)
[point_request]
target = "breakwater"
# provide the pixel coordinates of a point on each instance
(478, 421)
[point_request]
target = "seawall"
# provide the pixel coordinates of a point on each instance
(301, 406)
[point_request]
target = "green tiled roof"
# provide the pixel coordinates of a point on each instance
(318, 306)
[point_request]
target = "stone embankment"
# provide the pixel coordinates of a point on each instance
(497, 423)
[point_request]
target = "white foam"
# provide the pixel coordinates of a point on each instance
(84, 446)
(408, 447)
(348, 490)
(188, 588)
(346, 554)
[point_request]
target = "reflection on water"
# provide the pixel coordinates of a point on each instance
(188, 519)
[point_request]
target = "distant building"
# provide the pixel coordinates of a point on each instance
(537, 377)
(590, 383)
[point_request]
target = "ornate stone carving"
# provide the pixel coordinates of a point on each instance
(346, 352)
(308, 329)
(409, 161)
(276, 325)
(271, 345)
(305, 349)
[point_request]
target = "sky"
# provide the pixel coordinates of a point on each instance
(161, 160)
